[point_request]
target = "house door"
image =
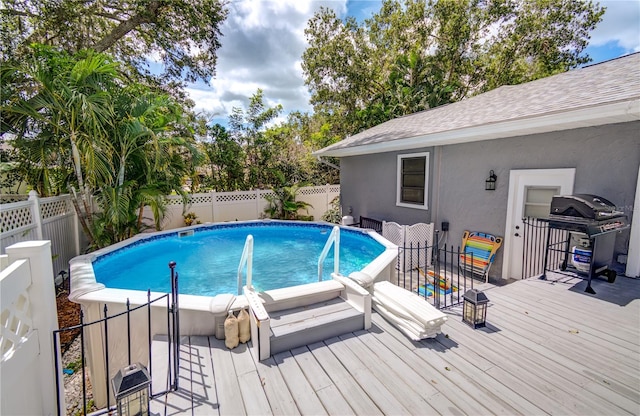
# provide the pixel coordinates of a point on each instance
(530, 193)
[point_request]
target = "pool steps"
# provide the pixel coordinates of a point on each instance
(282, 319)
(292, 328)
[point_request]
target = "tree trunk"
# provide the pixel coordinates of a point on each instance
(120, 31)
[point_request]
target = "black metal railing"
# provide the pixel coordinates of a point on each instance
(370, 223)
(535, 234)
(173, 346)
(434, 273)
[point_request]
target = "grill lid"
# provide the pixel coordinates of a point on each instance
(585, 206)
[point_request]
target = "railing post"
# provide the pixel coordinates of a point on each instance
(35, 212)
(176, 323)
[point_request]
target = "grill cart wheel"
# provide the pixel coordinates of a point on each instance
(611, 275)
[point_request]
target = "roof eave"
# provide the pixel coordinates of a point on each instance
(611, 113)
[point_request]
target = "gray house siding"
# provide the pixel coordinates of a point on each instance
(368, 186)
(606, 160)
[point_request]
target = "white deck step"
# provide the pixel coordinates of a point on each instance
(303, 325)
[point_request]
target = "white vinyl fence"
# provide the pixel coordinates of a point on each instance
(28, 320)
(240, 206)
(54, 218)
(37, 218)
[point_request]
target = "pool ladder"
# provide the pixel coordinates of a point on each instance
(334, 239)
(247, 257)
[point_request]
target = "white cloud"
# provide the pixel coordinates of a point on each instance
(620, 24)
(263, 42)
(262, 46)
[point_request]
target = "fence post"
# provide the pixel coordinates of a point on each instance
(42, 299)
(35, 212)
(326, 198)
(76, 228)
(213, 205)
(258, 197)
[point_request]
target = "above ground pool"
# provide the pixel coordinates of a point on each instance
(284, 254)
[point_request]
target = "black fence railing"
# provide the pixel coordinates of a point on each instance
(434, 273)
(141, 312)
(535, 233)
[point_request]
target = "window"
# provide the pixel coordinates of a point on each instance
(412, 190)
(537, 203)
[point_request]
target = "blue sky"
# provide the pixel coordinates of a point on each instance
(264, 39)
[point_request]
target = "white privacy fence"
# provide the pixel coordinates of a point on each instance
(37, 218)
(54, 218)
(240, 205)
(28, 319)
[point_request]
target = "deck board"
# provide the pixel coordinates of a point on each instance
(549, 348)
(205, 399)
(353, 393)
(280, 399)
(327, 392)
(303, 393)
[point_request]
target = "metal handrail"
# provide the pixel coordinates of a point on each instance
(246, 260)
(334, 239)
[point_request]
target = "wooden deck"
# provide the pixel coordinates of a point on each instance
(549, 348)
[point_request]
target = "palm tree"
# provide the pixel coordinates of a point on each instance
(66, 101)
(125, 144)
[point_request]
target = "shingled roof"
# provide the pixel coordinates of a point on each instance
(604, 93)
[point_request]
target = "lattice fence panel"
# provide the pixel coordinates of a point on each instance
(15, 218)
(15, 323)
(236, 197)
(200, 199)
(393, 232)
(408, 238)
(9, 198)
(313, 190)
(55, 208)
(171, 201)
(419, 234)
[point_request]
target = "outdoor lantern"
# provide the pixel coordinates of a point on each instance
(474, 309)
(490, 183)
(131, 389)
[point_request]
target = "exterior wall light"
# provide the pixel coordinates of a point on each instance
(131, 389)
(490, 183)
(474, 308)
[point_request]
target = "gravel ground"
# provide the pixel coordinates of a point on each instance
(73, 382)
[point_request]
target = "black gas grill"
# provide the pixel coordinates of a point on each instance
(595, 220)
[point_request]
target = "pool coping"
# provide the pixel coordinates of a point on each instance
(85, 288)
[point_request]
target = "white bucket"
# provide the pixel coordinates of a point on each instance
(348, 220)
(581, 258)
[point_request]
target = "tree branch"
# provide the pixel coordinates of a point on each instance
(147, 16)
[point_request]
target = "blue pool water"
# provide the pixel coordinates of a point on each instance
(285, 254)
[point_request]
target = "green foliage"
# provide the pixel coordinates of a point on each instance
(184, 34)
(334, 213)
(282, 204)
(81, 126)
(190, 218)
(419, 54)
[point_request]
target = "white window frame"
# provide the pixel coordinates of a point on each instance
(399, 202)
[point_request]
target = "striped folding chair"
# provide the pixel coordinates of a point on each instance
(478, 252)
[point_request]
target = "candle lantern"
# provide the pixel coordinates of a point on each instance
(474, 309)
(131, 389)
